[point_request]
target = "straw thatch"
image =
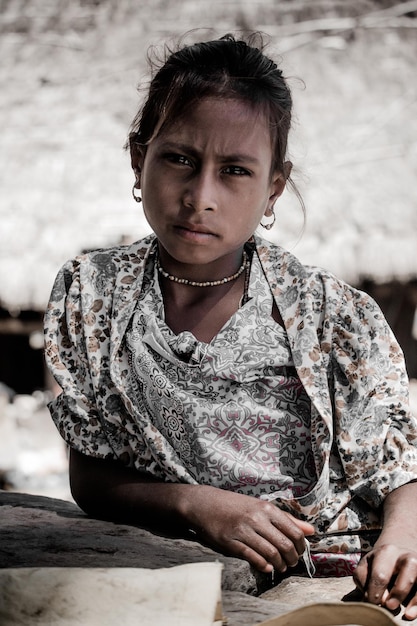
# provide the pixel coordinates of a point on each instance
(68, 78)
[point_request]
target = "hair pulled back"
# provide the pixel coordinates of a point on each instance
(226, 68)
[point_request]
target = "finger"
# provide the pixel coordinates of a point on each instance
(277, 549)
(272, 545)
(411, 608)
(260, 554)
(291, 536)
(379, 577)
(410, 613)
(376, 588)
(361, 573)
(308, 529)
(281, 551)
(305, 527)
(404, 584)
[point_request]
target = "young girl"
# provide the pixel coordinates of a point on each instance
(210, 380)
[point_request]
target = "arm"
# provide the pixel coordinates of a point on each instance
(388, 573)
(378, 446)
(234, 524)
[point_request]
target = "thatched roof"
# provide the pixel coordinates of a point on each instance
(69, 77)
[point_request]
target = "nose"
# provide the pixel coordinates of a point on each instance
(201, 192)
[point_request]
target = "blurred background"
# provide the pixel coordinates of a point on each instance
(72, 77)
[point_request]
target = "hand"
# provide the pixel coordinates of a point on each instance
(248, 528)
(232, 523)
(388, 576)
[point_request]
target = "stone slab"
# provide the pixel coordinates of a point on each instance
(298, 592)
(37, 531)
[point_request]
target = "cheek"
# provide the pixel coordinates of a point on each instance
(158, 188)
(246, 221)
(152, 194)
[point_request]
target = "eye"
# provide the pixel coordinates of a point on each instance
(236, 170)
(178, 159)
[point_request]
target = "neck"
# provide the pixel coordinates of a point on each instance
(201, 311)
(207, 283)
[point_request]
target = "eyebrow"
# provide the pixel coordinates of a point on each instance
(235, 157)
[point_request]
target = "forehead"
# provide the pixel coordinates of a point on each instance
(224, 124)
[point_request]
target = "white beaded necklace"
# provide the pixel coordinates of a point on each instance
(207, 283)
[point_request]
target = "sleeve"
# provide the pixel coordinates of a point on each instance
(376, 433)
(74, 411)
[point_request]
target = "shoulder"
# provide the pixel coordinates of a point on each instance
(298, 282)
(100, 269)
(288, 270)
(110, 261)
(286, 265)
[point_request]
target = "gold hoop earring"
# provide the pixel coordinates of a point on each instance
(269, 225)
(135, 197)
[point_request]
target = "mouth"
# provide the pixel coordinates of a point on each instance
(194, 230)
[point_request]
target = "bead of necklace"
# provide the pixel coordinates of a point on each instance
(207, 283)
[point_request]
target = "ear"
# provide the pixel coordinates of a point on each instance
(278, 183)
(137, 156)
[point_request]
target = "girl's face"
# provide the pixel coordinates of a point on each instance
(205, 184)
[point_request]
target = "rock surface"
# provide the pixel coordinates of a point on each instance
(44, 532)
(36, 531)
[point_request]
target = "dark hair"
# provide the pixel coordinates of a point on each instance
(227, 68)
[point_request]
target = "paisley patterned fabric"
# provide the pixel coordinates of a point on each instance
(232, 412)
(362, 434)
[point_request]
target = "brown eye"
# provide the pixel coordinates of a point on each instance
(178, 159)
(236, 170)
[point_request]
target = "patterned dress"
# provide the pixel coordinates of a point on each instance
(233, 411)
(313, 416)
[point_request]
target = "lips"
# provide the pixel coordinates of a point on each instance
(195, 228)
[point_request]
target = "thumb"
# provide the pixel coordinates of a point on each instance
(361, 574)
(308, 529)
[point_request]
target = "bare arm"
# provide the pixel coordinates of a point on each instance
(109, 490)
(231, 523)
(388, 574)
